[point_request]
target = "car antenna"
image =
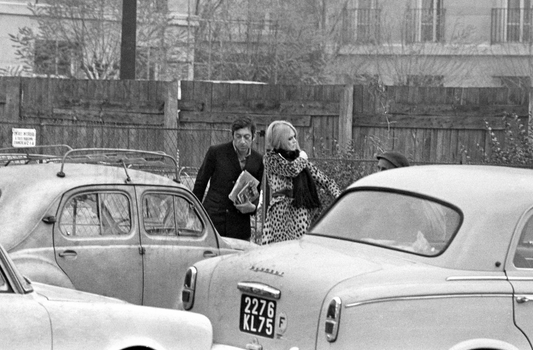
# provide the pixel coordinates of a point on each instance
(128, 178)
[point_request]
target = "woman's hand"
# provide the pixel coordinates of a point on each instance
(246, 207)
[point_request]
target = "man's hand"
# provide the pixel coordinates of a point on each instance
(245, 208)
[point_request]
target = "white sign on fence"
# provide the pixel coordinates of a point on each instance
(24, 137)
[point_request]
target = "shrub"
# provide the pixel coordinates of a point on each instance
(515, 148)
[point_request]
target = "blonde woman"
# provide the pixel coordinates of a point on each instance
(293, 182)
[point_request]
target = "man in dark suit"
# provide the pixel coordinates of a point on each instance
(221, 167)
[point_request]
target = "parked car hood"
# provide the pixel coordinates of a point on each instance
(117, 324)
(54, 293)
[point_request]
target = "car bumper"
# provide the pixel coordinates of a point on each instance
(224, 347)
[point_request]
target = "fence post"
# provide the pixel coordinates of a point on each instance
(529, 111)
(171, 117)
(345, 117)
(10, 97)
(171, 105)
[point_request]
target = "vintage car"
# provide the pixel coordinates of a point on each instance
(102, 228)
(425, 257)
(38, 316)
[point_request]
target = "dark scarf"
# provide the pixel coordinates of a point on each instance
(304, 188)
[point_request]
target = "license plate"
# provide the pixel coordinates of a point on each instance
(257, 316)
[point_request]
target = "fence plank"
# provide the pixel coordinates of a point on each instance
(345, 116)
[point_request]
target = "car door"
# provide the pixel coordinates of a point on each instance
(520, 273)
(24, 323)
(175, 233)
(97, 243)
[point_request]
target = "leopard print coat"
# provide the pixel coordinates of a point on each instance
(283, 220)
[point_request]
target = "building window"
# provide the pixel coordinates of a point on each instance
(54, 57)
(426, 22)
(512, 23)
(518, 20)
(360, 22)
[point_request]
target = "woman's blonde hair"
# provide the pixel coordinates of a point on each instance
(277, 134)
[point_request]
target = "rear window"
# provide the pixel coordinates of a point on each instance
(170, 216)
(391, 220)
(90, 215)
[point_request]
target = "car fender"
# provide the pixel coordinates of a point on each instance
(122, 326)
(230, 245)
(443, 321)
(40, 269)
(484, 343)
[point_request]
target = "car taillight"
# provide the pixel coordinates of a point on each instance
(333, 317)
(189, 286)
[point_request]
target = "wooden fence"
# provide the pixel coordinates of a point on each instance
(429, 125)
(433, 124)
(313, 110)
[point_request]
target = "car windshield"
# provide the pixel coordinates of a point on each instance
(392, 220)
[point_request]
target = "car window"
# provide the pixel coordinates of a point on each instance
(391, 220)
(523, 257)
(95, 215)
(4, 287)
(170, 215)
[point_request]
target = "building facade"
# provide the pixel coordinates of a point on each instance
(474, 43)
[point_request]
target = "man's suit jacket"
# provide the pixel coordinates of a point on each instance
(220, 169)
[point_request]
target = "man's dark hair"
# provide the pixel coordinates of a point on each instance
(243, 122)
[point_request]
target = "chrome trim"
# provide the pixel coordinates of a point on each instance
(425, 297)
(477, 278)
(333, 319)
(489, 278)
(524, 298)
(189, 288)
(259, 289)
(266, 270)
(516, 278)
(254, 345)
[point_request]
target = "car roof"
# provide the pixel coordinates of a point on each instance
(491, 199)
(24, 189)
(456, 183)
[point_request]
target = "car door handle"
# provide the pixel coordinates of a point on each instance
(68, 254)
(209, 254)
(523, 299)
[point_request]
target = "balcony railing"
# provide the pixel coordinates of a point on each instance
(425, 25)
(511, 25)
(360, 26)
